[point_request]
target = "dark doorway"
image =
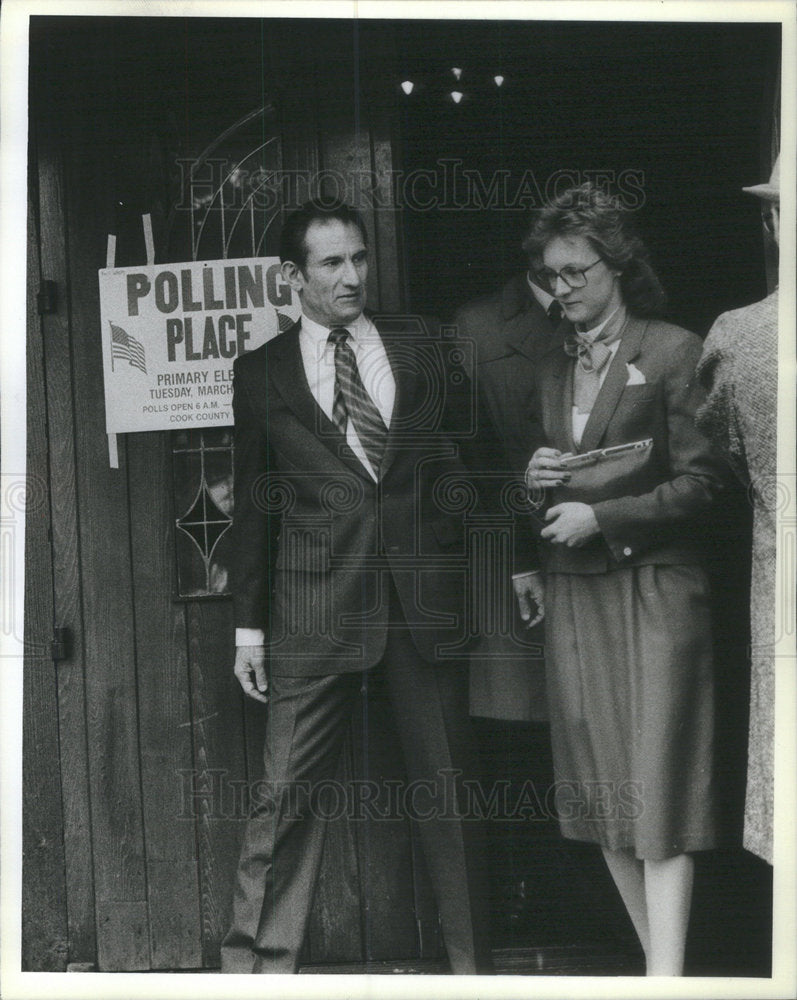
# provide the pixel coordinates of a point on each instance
(674, 119)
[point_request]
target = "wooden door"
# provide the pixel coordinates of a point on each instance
(44, 916)
(140, 730)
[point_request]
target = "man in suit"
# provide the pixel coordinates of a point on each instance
(350, 540)
(510, 330)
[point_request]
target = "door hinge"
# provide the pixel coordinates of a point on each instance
(47, 298)
(61, 646)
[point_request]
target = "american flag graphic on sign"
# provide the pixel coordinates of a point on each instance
(127, 348)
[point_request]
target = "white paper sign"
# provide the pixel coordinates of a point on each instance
(171, 332)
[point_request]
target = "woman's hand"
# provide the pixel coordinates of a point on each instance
(545, 469)
(570, 524)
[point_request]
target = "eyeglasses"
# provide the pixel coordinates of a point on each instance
(573, 277)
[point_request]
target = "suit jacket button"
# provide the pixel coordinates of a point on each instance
(627, 551)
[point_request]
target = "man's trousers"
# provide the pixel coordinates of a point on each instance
(281, 853)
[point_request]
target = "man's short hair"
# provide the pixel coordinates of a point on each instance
(293, 242)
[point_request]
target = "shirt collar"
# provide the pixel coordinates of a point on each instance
(539, 294)
(319, 334)
(612, 325)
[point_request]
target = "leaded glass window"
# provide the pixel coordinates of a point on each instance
(228, 206)
(202, 463)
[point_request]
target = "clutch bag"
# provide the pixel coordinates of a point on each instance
(603, 474)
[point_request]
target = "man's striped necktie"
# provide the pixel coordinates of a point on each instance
(353, 402)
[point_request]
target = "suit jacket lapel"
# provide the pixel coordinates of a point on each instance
(392, 339)
(557, 389)
(287, 374)
(518, 329)
(614, 383)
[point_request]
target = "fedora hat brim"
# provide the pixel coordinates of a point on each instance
(765, 191)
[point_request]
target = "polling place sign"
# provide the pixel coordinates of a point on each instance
(171, 332)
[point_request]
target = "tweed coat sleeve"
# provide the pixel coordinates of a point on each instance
(719, 416)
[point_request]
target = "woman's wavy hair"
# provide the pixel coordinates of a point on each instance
(600, 218)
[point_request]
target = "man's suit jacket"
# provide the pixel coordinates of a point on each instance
(316, 539)
(650, 391)
(511, 331)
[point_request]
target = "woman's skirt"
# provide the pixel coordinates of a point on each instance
(629, 679)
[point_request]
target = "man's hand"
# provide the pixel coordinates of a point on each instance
(529, 589)
(250, 669)
(570, 524)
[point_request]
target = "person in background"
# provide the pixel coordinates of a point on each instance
(628, 643)
(509, 330)
(739, 369)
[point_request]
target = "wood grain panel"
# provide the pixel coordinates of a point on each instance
(68, 606)
(219, 762)
(378, 58)
(164, 709)
(106, 571)
(296, 115)
(44, 924)
(122, 936)
(392, 296)
(345, 155)
(173, 898)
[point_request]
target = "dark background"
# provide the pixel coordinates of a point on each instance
(685, 105)
(689, 107)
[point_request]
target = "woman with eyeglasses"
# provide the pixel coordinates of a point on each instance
(622, 478)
